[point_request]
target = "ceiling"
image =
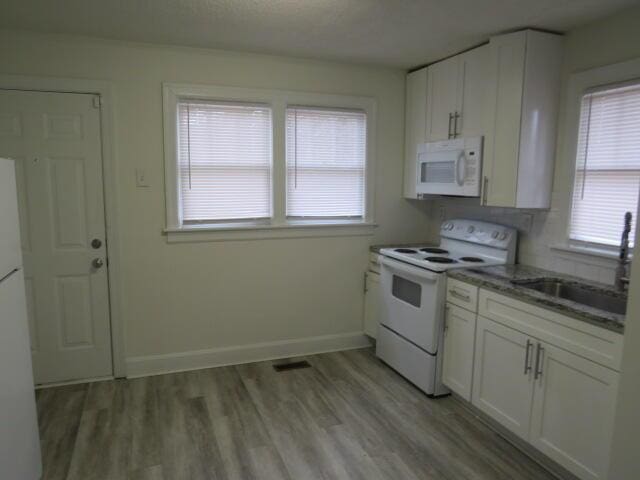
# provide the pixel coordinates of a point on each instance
(398, 33)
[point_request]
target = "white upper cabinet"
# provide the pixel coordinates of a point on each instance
(444, 100)
(506, 91)
(415, 126)
(455, 95)
(473, 74)
(521, 118)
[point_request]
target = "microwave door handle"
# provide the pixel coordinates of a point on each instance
(461, 161)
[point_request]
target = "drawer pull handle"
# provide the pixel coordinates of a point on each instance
(527, 363)
(456, 294)
(539, 353)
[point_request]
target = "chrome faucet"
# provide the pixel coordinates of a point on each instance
(622, 270)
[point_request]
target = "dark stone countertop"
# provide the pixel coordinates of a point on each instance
(499, 279)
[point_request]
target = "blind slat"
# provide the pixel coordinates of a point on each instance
(224, 161)
(326, 158)
(607, 179)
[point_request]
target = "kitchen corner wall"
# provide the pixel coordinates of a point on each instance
(191, 299)
(610, 40)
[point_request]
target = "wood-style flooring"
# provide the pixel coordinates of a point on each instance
(347, 417)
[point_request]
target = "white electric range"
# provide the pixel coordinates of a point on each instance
(413, 286)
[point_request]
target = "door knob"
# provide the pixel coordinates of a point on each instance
(97, 263)
(96, 243)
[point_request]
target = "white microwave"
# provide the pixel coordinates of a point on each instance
(450, 167)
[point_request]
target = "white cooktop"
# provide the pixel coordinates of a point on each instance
(464, 244)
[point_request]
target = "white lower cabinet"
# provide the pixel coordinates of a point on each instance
(501, 388)
(573, 409)
(457, 368)
(560, 402)
(550, 379)
(371, 303)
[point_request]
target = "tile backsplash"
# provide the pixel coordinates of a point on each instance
(537, 236)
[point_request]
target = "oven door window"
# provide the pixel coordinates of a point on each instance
(406, 290)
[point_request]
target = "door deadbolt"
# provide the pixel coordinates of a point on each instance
(96, 243)
(97, 263)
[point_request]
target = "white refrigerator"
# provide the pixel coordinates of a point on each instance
(20, 457)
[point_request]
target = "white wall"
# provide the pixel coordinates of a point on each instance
(610, 40)
(195, 296)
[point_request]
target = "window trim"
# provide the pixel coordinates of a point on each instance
(580, 84)
(278, 100)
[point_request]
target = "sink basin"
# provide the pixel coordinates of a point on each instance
(575, 292)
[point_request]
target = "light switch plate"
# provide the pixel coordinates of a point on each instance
(141, 178)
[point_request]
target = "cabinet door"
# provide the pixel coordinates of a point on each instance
(472, 92)
(442, 97)
(573, 409)
(371, 304)
(415, 127)
(504, 109)
(459, 337)
(501, 388)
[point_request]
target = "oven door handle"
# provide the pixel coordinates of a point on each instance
(410, 270)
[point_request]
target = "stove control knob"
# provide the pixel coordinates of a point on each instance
(495, 234)
(503, 236)
(471, 229)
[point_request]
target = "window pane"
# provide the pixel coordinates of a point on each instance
(326, 158)
(224, 161)
(607, 177)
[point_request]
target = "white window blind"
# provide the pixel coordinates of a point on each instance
(326, 162)
(224, 161)
(607, 176)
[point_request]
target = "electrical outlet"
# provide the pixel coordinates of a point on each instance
(141, 178)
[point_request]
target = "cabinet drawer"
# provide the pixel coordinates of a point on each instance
(586, 340)
(462, 294)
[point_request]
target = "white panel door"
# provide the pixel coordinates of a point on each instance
(573, 410)
(459, 339)
(372, 304)
(415, 127)
(504, 111)
(55, 140)
(472, 92)
(442, 97)
(502, 377)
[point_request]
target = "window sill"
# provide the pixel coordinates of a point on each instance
(591, 251)
(257, 231)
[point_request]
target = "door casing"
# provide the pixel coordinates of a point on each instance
(104, 90)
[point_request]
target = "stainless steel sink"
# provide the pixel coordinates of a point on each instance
(576, 292)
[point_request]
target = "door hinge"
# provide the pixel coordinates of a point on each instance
(97, 101)
(365, 283)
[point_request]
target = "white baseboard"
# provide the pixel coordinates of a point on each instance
(256, 352)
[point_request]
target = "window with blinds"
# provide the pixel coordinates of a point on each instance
(326, 160)
(224, 161)
(607, 178)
